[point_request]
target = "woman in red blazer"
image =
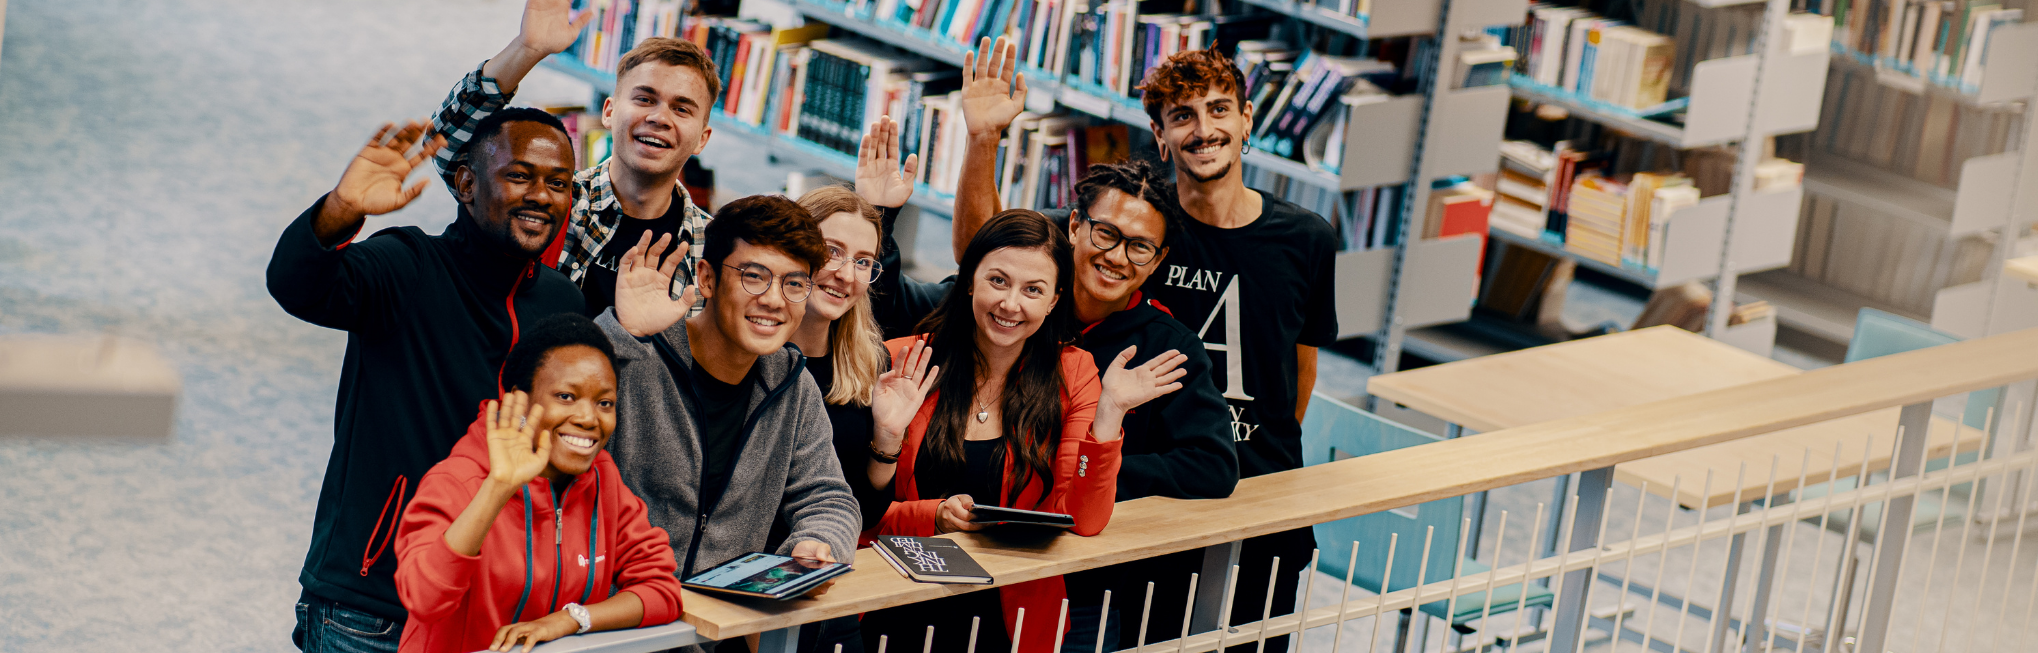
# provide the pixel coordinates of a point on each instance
(1018, 419)
(528, 519)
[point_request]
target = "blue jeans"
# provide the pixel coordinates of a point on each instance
(1082, 635)
(327, 627)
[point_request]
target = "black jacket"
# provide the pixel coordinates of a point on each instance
(429, 320)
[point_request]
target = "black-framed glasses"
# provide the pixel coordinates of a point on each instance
(1106, 236)
(866, 267)
(796, 286)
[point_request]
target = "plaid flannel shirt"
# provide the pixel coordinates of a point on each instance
(596, 213)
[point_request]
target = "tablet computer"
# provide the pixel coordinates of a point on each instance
(767, 575)
(996, 515)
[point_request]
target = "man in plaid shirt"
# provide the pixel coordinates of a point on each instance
(658, 115)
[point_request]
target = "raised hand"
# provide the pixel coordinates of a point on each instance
(517, 450)
(1126, 388)
(644, 303)
(373, 182)
(879, 178)
(993, 93)
(900, 392)
(550, 27)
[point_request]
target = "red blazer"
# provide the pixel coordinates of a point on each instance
(1085, 486)
(457, 602)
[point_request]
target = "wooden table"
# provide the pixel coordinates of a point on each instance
(1594, 375)
(1585, 377)
(2025, 268)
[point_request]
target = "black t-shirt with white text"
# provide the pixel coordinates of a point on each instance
(1252, 294)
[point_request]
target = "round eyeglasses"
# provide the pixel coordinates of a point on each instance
(1106, 236)
(796, 286)
(866, 268)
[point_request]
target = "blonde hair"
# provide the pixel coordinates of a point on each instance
(855, 344)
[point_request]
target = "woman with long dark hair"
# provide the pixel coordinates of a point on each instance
(1017, 417)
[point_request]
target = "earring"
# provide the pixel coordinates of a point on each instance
(1245, 148)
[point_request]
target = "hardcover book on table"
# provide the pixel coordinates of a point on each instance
(931, 560)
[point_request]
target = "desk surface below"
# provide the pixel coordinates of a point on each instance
(1582, 377)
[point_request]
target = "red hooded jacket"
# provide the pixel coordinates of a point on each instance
(535, 558)
(1085, 486)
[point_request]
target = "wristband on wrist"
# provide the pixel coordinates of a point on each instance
(885, 458)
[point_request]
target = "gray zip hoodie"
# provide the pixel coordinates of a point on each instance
(786, 466)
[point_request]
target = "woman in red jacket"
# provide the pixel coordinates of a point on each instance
(1018, 418)
(526, 533)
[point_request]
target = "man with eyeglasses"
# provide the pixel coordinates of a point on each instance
(1178, 445)
(720, 396)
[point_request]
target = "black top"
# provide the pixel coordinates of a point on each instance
(599, 284)
(429, 320)
(723, 409)
(853, 431)
(1252, 294)
(985, 478)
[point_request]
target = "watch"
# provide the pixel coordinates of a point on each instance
(579, 615)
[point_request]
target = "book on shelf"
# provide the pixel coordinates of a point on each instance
(1943, 41)
(931, 560)
(617, 26)
(1483, 67)
(1041, 158)
(1320, 85)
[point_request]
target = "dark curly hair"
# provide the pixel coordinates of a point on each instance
(1188, 74)
(766, 221)
(1135, 178)
(538, 341)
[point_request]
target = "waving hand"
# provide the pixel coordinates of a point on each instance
(644, 303)
(993, 93)
(879, 178)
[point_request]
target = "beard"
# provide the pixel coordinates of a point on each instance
(1182, 162)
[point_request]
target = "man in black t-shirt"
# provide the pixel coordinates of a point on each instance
(1253, 277)
(598, 283)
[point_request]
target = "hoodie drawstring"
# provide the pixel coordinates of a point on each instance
(529, 547)
(593, 527)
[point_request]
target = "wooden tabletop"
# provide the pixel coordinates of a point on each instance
(1582, 377)
(2025, 268)
(1144, 528)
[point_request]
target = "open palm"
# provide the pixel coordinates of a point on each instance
(880, 179)
(549, 25)
(1126, 388)
(993, 93)
(517, 450)
(901, 391)
(373, 182)
(644, 303)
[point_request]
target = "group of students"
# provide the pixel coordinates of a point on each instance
(587, 354)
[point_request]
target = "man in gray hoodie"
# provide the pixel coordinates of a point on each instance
(718, 429)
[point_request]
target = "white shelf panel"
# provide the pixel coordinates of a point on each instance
(1811, 307)
(1881, 191)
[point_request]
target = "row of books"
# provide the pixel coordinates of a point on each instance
(618, 25)
(1924, 137)
(1042, 156)
(1112, 45)
(1595, 57)
(1942, 40)
(1294, 92)
(1889, 260)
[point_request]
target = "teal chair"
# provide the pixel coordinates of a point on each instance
(1877, 333)
(1334, 430)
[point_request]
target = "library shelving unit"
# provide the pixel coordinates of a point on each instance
(1992, 202)
(1381, 292)
(1739, 100)
(835, 164)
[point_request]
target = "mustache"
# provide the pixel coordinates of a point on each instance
(1200, 142)
(534, 208)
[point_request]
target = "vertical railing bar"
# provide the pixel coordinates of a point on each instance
(1145, 614)
(1486, 612)
(1663, 555)
(1966, 525)
(1569, 522)
(1061, 625)
(1188, 609)
(1267, 608)
(927, 645)
(1224, 606)
(1521, 600)
(1103, 621)
(1843, 578)
(2032, 600)
(1421, 578)
(1932, 556)
(1882, 525)
(1713, 628)
(1457, 578)
(2016, 544)
(1760, 595)
(1988, 550)
(1628, 571)
(1386, 585)
(1308, 585)
(1018, 630)
(1804, 472)
(1344, 598)
(1598, 556)
(838, 647)
(974, 622)
(1819, 550)
(881, 641)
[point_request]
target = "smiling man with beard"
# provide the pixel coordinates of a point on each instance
(429, 321)
(658, 115)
